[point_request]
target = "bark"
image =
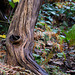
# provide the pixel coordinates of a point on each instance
(20, 37)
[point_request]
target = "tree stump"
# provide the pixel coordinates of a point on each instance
(20, 37)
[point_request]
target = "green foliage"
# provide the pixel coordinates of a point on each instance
(11, 3)
(46, 12)
(37, 58)
(61, 55)
(71, 35)
(4, 28)
(58, 11)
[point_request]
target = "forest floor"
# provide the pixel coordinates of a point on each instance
(55, 58)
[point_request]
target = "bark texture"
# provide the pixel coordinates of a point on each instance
(20, 37)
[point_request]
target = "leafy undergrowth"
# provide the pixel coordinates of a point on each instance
(10, 70)
(54, 35)
(52, 52)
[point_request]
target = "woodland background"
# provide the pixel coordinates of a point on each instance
(54, 35)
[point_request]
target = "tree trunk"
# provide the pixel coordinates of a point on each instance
(20, 37)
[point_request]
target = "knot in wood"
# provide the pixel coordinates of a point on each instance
(15, 39)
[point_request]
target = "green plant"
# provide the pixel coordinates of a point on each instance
(61, 55)
(11, 3)
(38, 58)
(64, 12)
(71, 35)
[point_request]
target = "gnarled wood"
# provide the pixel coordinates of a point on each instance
(20, 37)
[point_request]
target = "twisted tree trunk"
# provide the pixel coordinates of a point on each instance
(20, 37)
